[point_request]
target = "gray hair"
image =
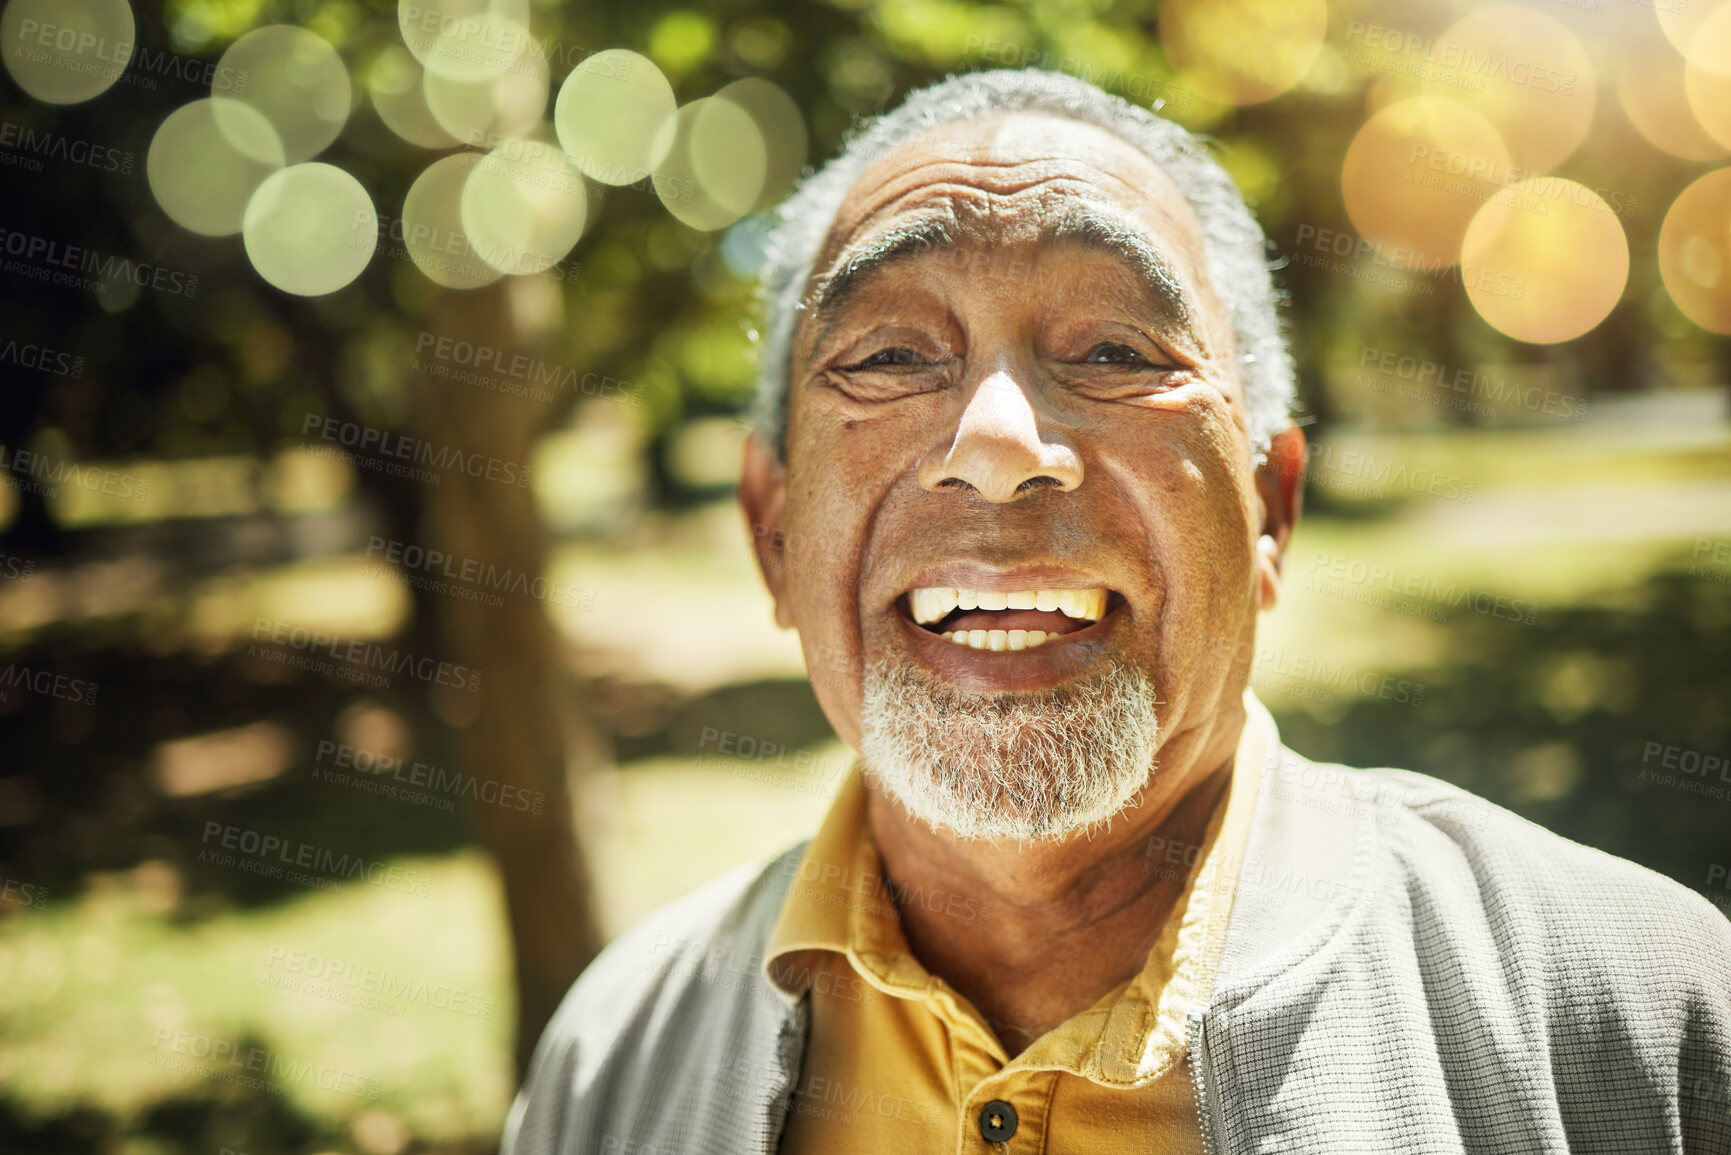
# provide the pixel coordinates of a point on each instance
(1233, 242)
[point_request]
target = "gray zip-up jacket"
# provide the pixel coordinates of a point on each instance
(1407, 968)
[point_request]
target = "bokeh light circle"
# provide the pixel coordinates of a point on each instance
(310, 229)
(479, 112)
(394, 83)
(203, 176)
(1707, 74)
(1695, 251)
(1545, 261)
(297, 80)
(1650, 88)
(1415, 174)
(1682, 19)
(66, 51)
(464, 40)
(782, 128)
(432, 225)
(714, 171)
(1242, 51)
(523, 206)
(615, 116)
(1526, 73)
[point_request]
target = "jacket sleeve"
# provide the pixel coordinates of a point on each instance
(536, 1123)
(1704, 1064)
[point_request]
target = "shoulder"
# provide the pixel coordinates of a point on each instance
(1602, 928)
(718, 929)
(618, 1032)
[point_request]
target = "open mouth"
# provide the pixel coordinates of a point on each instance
(1000, 620)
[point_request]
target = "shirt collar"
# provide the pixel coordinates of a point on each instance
(838, 901)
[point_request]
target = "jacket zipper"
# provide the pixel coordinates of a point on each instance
(1198, 1078)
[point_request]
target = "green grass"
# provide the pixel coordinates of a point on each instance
(87, 987)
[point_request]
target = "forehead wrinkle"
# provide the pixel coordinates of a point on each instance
(938, 227)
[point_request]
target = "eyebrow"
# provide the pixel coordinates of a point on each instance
(1082, 224)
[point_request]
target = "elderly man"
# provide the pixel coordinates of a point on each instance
(1023, 481)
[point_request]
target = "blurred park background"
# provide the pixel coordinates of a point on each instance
(378, 635)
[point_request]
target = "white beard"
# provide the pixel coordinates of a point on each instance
(1015, 765)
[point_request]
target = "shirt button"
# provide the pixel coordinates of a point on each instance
(997, 1121)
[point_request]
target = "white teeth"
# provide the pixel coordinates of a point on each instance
(934, 603)
(1087, 604)
(930, 605)
(999, 639)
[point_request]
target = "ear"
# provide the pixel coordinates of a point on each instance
(763, 497)
(1280, 486)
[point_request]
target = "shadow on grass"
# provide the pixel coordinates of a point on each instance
(1567, 722)
(234, 1121)
(253, 1122)
(78, 794)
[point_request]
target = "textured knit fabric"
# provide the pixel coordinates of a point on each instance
(897, 1060)
(1408, 969)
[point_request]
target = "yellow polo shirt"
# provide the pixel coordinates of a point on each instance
(898, 1061)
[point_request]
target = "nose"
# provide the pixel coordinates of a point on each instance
(998, 450)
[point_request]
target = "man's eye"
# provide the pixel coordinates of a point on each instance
(892, 356)
(1114, 353)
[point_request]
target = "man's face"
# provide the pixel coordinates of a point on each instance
(1046, 403)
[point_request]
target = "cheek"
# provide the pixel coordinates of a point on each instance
(1197, 506)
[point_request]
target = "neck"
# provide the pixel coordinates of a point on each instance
(1057, 923)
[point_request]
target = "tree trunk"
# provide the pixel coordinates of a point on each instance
(514, 730)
